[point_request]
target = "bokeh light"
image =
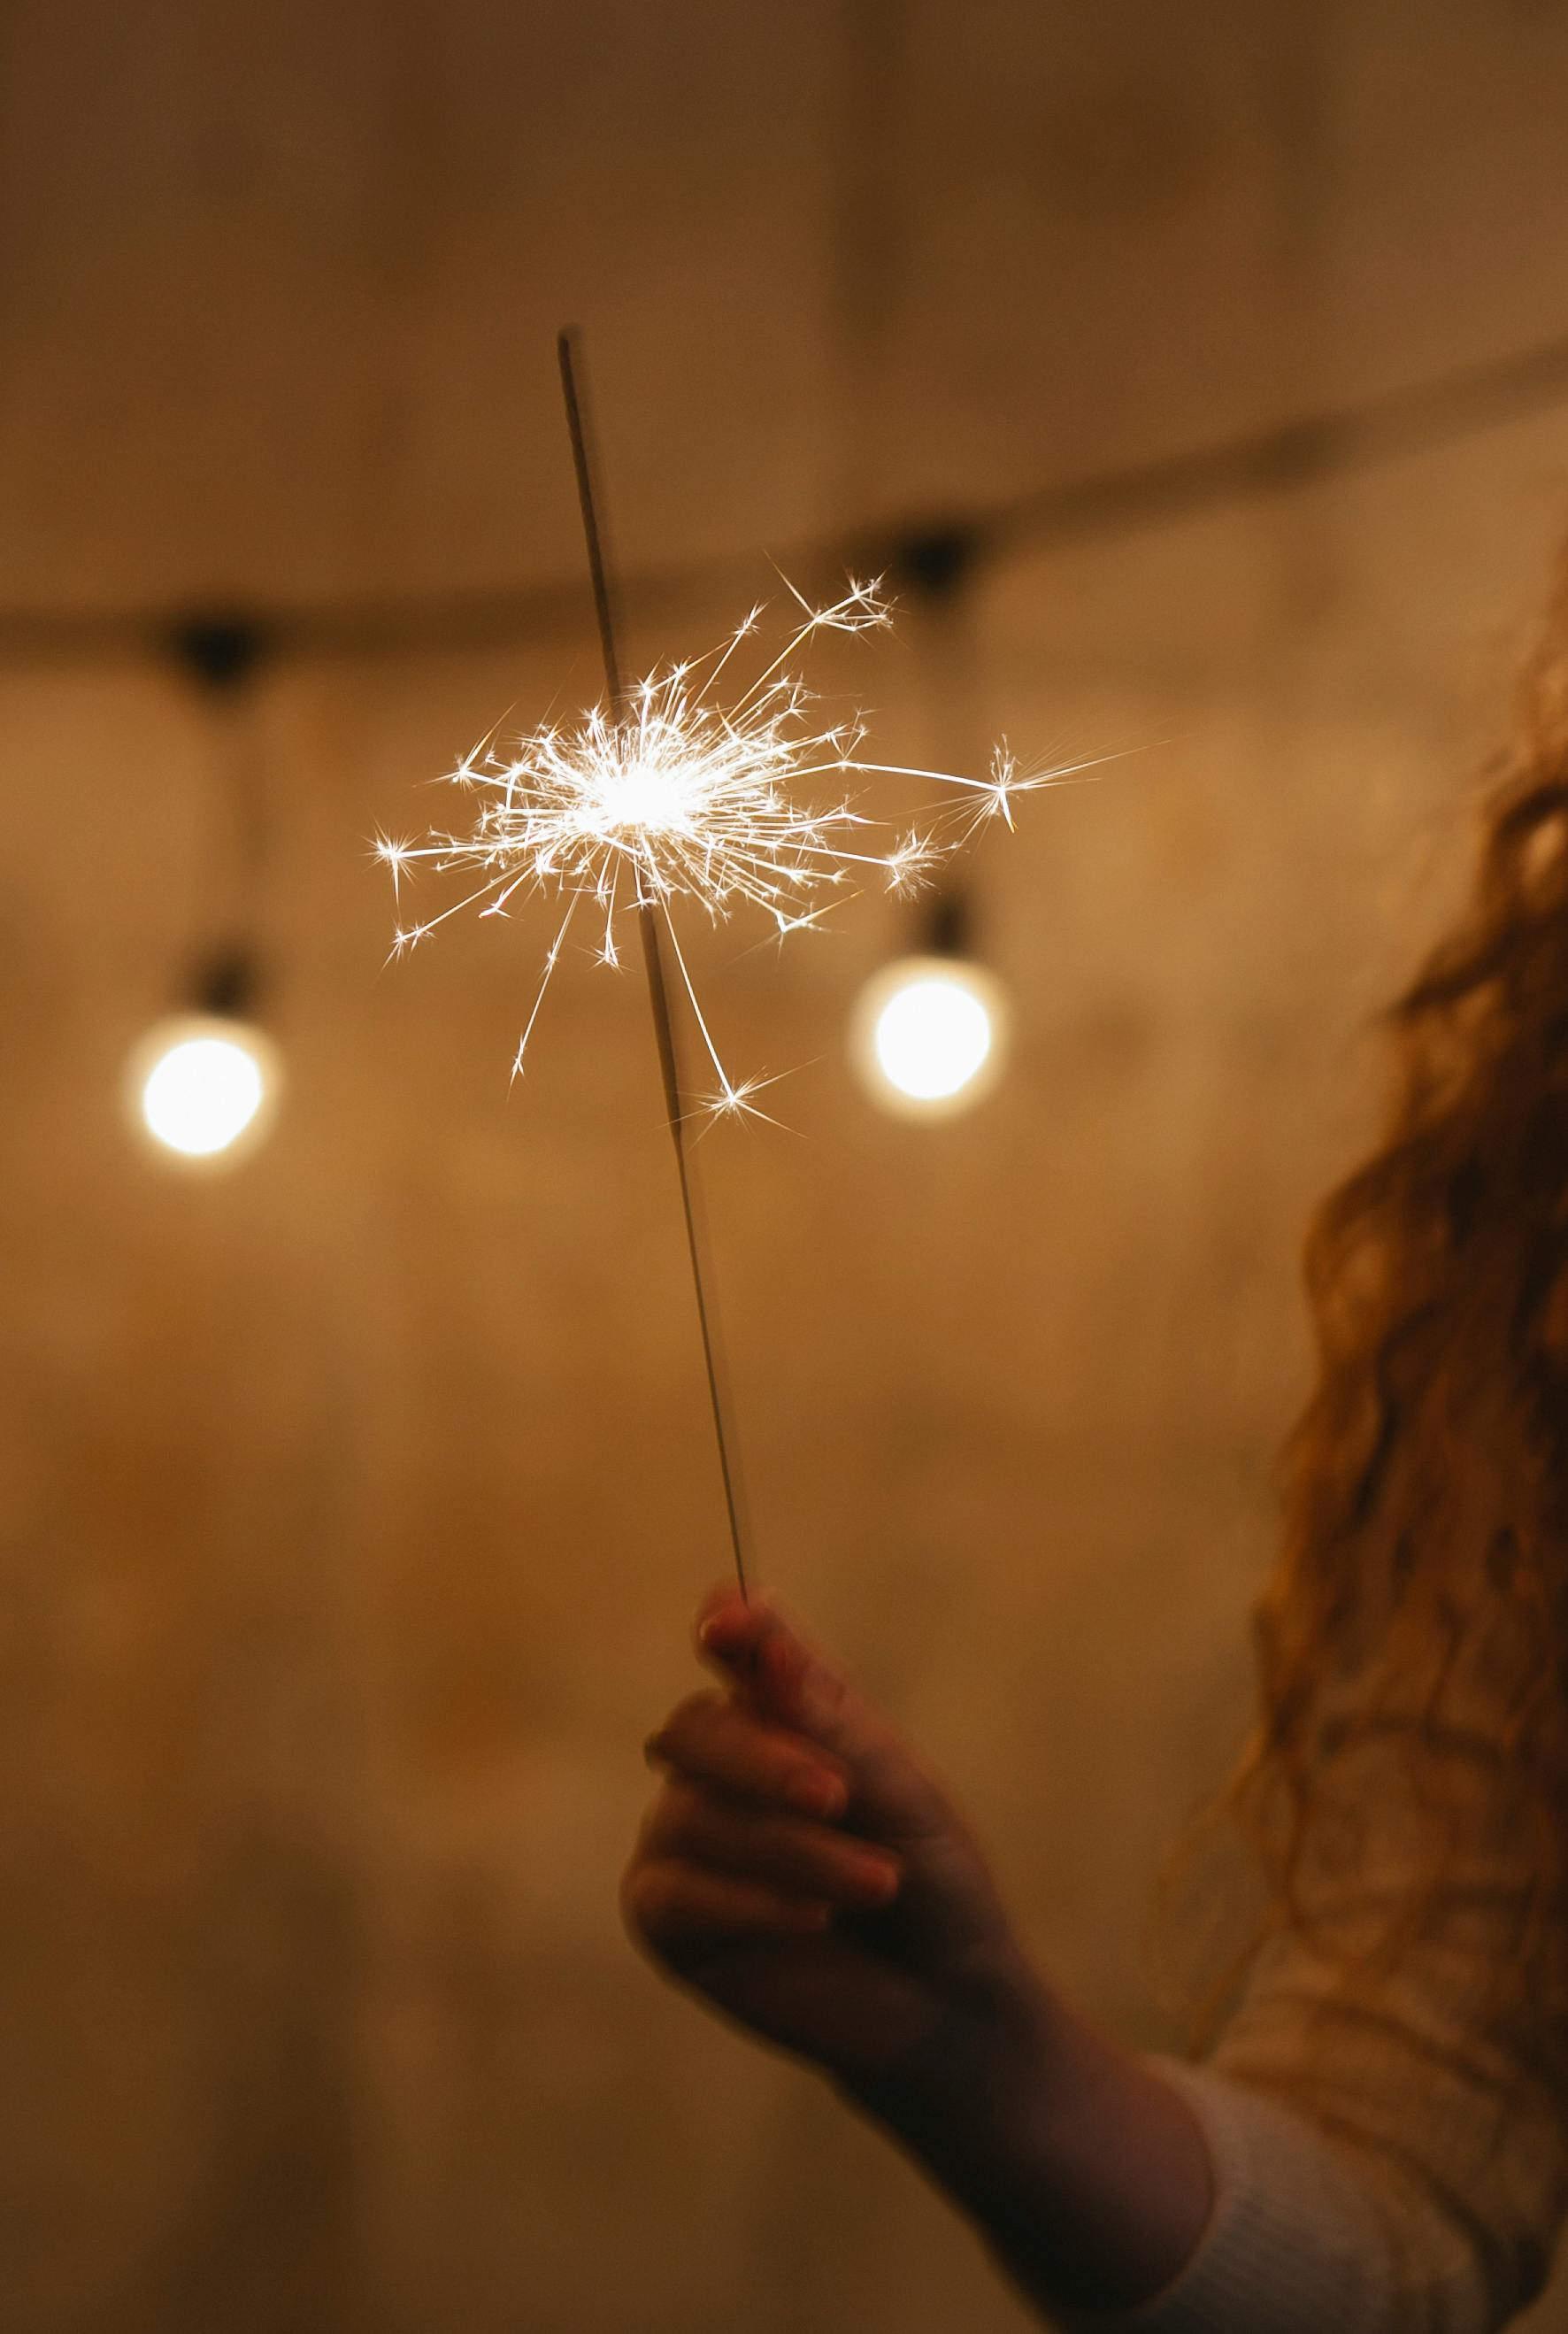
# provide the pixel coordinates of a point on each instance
(929, 1034)
(203, 1089)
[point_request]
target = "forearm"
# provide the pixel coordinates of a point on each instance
(1088, 2175)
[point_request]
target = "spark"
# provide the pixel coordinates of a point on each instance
(676, 797)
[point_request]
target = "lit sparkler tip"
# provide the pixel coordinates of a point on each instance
(734, 1100)
(1003, 778)
(393, 855)
(909, 860)
(998, 801)
(678, 796)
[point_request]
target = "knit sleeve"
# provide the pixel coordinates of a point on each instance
(1387, 2133)
(1294, 2242)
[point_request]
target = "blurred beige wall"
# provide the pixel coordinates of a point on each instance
(354, 1503)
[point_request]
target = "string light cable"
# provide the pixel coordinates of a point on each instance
(1251, 466)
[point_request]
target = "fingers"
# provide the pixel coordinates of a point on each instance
(691, 1825)
(730, 1627)
(789, 1681)
(754, 1643)
(717, 1740)
(670, 1903)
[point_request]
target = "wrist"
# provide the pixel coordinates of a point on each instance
(1084, 2172)
(970, 2098)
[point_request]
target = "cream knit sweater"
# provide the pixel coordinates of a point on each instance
(1390, 2154)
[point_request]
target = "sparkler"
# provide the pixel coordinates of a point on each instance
(670, 791)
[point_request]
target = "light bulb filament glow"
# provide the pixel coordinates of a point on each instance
(201, 1085)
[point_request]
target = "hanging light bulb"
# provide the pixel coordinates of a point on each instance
(202, 1086)
(929, 1031)
(928, 1036)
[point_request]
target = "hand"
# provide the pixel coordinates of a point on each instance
(802, 1871)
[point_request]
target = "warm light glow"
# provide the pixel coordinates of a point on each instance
(928, 1036)
(702, 788)
(202, 1087)
(640, 796)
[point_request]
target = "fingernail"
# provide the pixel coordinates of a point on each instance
(817, 1795)
(879, 1879)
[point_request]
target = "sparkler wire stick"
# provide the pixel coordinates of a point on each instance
(696, 800)
(653, 958)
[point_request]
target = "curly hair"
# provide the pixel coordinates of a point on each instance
(1426, 1484)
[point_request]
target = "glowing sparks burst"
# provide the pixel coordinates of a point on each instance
(675, 795)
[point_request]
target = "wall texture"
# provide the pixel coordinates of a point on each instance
(352, 1504)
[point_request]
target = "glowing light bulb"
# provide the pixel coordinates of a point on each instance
(928, 1036)
(204, 1088)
